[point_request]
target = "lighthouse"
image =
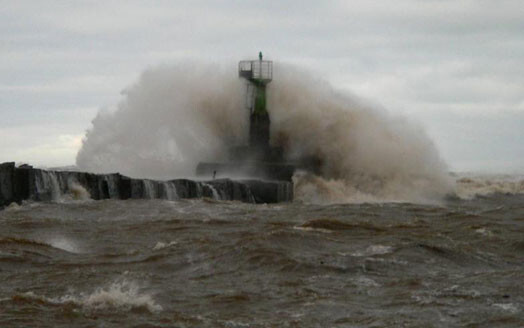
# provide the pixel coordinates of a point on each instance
(258, 74)
(255, 157)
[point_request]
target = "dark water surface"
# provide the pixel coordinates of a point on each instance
(205, 263)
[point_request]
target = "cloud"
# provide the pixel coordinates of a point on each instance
(37, 146)
(414, 57)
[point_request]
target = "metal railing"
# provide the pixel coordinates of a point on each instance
(256, 70)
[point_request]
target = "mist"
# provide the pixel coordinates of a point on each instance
(176, 116)
(168, 121)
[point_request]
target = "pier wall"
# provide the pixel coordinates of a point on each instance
(28, 183)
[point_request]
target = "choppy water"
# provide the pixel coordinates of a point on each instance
(206, 263)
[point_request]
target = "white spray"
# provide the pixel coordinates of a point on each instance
(174, 117)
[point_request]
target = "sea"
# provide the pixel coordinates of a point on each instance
(212, 263)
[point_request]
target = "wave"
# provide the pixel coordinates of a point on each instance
(56, 242)
(78, 192)
(161, 245)
(64, 244)
(176, 116)
(336, 225)
(469, 186)
(373, 250)
(22, 241)
(121, 295)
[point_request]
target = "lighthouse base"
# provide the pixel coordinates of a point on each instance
(256, 170)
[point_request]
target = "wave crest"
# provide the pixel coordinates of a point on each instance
(123, 295)
(471, 186)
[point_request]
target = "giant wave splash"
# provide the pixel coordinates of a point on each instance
(176, 116)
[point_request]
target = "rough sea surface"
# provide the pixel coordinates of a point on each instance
(208, 263)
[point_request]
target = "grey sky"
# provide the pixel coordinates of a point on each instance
(457, 67)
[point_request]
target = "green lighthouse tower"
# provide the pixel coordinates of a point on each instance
(255, 158)
(258, 74)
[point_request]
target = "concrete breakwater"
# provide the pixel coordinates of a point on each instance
(28, 183)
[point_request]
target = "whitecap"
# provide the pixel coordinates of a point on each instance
(468, 186)
(118, 295)
(64, 244)
(374, 250)
(161, 245)
(13, 207)
(312, 229)
(484, 232)
(510, 307)
(365, 282)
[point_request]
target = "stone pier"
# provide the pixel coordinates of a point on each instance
(28, 183)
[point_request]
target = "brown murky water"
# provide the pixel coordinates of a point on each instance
(206, 263)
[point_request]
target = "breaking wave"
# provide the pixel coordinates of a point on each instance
(469, 186)
(78, 192)
(176, 116)
(161, 245)
(123, 295)
(42, 244)
(64, 244)
(171, 119)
